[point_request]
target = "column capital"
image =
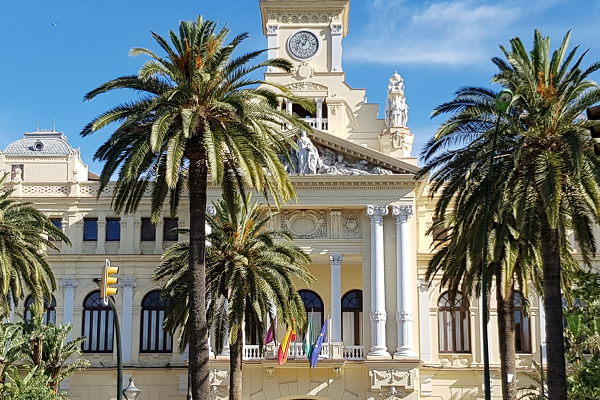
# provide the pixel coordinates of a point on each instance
(337, 29)
(399, 211)
(127, 283)
(272, 30)
(211, 210)
(320, 100)
(423, 285)
(374, 210)
(378, 316)
(336, 259)
(69, 283)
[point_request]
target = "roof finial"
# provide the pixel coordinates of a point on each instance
(37, 128)
(54, 127)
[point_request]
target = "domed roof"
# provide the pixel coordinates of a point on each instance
(396, 77)
(40, 142)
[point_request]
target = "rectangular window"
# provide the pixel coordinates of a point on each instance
(439, 232)
(148, 230)
(170, 224)
(57, 222)
(90, 229)
(113, 229)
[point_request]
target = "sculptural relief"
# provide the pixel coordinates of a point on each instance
(312, 160)
(396, 109)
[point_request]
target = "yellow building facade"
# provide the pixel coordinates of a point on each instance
(362, 217)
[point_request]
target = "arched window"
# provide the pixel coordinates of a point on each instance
(97, 325)
(50, 310)
(522, 329)
(454, 328)
(314, 307)
(153, 338)
(352, 311)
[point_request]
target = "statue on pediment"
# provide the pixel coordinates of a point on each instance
(396, 109)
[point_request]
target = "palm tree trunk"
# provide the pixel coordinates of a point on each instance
(555, 342)
(506, 334)
(199, 369)
(235, 366)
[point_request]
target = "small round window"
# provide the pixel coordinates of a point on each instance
(38, 146)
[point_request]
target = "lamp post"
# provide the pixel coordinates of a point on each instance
(502, 103)
(131, 392)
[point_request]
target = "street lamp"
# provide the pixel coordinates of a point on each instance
(131, 392)
(502, 103)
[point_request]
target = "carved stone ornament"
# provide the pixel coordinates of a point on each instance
(211, 210)
(219, 392)
(217, 376)
(351, 226)
(270, 372)
(393, 393)
(333, 109)
(306, 86)
(378, 316)
(305, 224)
(69, 283)
(337, 372)
(382, 379)
(396, 109)
(127, 283)
(336, 29)
(403, 316)
(308, 17)
(423, 285)
(318, 160)
(402, 210)
(272, 29)
(336, 258)
(377, 211)
(303, 71)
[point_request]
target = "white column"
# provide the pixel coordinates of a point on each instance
(101, 234)
(158, 240)
(288, 106)
(319, 101)
(404, 314)
(336, 47)
(424, 327)
(543, 329)
(126, 319)
(272, 33)
(336, 297)
(378, 314)
(69, 285)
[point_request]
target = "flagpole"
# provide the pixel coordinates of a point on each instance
(329, 336)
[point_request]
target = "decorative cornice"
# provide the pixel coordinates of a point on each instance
(306, 86)
(423, 285)
(377, 211)
(69, 283)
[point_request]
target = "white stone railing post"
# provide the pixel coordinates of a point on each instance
(126, 325)
(378, 315)
(424, 327)
(69, 285)
(404, 314)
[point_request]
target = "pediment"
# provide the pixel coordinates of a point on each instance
(321, 153)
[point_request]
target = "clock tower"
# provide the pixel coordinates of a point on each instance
(307, 32)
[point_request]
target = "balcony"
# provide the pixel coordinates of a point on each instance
(314, 123)
(350, 353)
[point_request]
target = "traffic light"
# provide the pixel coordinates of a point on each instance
(593, 114)
(107, 280)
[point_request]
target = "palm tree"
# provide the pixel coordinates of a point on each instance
(200, 113)
(545, 170)
(24, 233)
(250, 275)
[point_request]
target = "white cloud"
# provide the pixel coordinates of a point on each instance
(451, 32)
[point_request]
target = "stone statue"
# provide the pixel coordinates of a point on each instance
(309, 160)
(396, 109)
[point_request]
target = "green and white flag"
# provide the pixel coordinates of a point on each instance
(309, 339)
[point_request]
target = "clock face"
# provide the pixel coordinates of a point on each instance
(303, 45)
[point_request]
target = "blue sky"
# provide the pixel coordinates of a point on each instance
(437, 46)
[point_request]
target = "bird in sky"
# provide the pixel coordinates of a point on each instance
(54, 24)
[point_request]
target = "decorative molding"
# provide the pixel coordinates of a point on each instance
(304, 71)
(334, 108)
(217, 376)
(423, 285)
(337, 29)
(211, 210)
(377, 211)
(305, 16)
(306, 86)
(383, 379)
(403, 316)
(378, 316)
(402, 211)
(305, 224)
(336, 259)
(337, 372)
(351, 226)
(272, 29)
(270, 372)
(69, 283)
(335, 216)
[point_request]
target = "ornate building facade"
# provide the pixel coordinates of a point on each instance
(362, 217)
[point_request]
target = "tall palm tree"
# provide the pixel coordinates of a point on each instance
(24, 233)
(201, 113)
(545, 164)
(250, 275)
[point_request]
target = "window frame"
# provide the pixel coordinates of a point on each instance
(167, 340)
(104, 312)
(450, 310)
(49, 310)
(357, 311)
(520, 331)
(167, 236)
(85, 229)
(59, 226)
(145, 222)
(320, 309)
(108, 222)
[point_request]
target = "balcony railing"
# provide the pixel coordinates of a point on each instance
(314, 123)
(252, 352)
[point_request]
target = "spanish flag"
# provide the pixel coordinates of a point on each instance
(284, 347)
